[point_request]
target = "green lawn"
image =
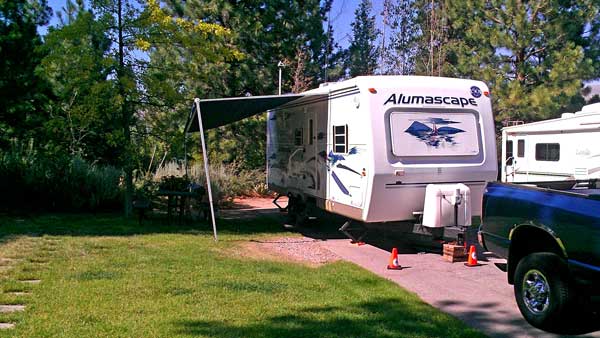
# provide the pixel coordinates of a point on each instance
(103, 276)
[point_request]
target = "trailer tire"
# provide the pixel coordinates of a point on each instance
(543, 291)
(295, 212)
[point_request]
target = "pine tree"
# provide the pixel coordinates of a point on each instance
(22, 92)
(363, 52)
(533, 54)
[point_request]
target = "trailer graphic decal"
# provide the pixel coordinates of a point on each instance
(340, 184)
(434, 136)
(331, 161)
(341, 166)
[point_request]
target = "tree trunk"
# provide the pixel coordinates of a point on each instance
(125, 111)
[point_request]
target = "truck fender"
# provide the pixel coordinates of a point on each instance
(528, 238)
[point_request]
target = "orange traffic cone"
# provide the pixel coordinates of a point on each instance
(393, 264)
(472, 257)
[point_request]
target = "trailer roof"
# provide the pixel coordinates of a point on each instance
(223, 111)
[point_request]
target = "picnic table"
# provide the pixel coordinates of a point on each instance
(179, 200)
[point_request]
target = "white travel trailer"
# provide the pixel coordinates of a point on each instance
(367, 148)
(566, 148)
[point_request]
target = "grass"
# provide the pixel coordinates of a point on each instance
(103, 276)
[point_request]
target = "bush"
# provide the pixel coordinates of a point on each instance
(227, 180)
(32, 181)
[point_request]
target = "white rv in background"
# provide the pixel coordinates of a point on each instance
(566, 148)
(367, 148)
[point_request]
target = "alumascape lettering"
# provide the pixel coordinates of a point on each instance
(449, 100)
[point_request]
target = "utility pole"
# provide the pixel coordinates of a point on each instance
(280, 65)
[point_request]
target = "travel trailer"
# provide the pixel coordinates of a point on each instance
(367, 148)
(566, 148)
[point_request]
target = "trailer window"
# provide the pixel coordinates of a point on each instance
(340, 139)
(547, 152)
(311, 132)
(298, 136)
(509, 152)
(521, 148)
(434, 134)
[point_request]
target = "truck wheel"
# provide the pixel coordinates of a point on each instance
(542, 290)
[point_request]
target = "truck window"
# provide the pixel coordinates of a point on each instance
(340, 139)
(434, 134)
(521, 148)
(509, 152)
(547, 152)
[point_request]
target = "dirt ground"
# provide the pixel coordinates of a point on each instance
(298, 249)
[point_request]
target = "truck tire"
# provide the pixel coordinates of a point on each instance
(542, 290)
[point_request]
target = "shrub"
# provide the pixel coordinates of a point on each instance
(227, 180)
(30, 180)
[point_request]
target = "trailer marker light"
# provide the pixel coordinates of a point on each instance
(373, 90)
(487, 94)
(364, 172)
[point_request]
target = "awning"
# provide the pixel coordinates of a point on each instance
(219, 112)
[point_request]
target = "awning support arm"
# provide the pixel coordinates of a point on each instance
(208, 188)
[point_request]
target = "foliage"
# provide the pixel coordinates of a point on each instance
(264, 33)
(434, 38)
(174, 183)
(22, 92)
(533, 54)
(108, 95)
(83, 120)
(399, 56)
(363, 52)
(228, 180)
(108, 277)
(31, 180)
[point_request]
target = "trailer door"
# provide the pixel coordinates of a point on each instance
(509, 161)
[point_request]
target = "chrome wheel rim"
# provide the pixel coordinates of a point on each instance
(536, 291)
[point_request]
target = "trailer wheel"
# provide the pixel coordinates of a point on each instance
(542, 290)
(295, 212)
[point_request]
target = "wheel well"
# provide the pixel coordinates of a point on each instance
(526, 240)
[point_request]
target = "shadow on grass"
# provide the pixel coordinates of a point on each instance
(383, 317)
(116, 225)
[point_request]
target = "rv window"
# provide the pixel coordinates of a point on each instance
(310, 131)
(298, 137)
(509, 153)
(521, 148)
(340, 139)
(434, 134)
(547, 152)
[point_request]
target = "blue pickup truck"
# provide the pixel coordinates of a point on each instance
(550, 235)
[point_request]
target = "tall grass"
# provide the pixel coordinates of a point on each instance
(30, 180)
(227, 180)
